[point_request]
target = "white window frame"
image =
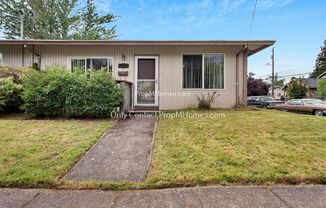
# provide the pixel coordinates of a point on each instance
(1, 58)
(203, 72)
(90, 57)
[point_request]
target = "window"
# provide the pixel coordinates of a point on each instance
(214, 71)
(295, 102)
(206, 68)
(192, 71)
(91, 63)
(1, 58)
(77, 63)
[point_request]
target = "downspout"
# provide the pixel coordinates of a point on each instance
(237, 101)
(23, 55)
(245, 75)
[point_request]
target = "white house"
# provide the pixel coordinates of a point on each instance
(163, 74)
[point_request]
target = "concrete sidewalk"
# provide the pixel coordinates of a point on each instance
(211, 196)
(122, 154)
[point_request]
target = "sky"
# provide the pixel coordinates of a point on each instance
(298, 26)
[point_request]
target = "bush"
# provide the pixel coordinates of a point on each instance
(322, 87)
(10, 95)
(12, 71)
(57, 92)
(205, 103)
(297, 89)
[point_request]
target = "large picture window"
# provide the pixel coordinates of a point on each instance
(203, 71)
(92, 63)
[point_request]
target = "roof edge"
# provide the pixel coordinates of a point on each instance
(136, 42)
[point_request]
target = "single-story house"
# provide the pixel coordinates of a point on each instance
(163, 75)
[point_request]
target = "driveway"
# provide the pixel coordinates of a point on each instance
(122, 154)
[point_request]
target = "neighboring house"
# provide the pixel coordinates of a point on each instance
(164, 75)
(312, 84)
(278, 92)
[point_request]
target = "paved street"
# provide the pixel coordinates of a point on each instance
(211, 196)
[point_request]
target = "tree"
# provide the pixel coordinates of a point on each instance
(53, 18)
(256, 87)
(320, 65)
(9, 17)
(92, 26)
(297, 88)
(278, 82)
(322, 87)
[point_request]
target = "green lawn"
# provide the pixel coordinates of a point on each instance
(245, 147)
(37, 153)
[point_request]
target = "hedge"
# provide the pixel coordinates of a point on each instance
(58, 92)
(10, 88)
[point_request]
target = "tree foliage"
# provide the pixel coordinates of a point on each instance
(92, 26)
(322, 87)
(320, 65)
(10, 94)
(297, 88)
(55, 19)
(256, 87)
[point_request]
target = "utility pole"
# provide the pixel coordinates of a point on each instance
(273, 71)
(21, 17)
(31, 14)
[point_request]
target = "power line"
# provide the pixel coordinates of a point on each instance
(290, 75)
(252, 19)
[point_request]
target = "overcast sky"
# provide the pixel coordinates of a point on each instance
(298, 26)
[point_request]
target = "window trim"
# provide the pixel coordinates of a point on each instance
(203, 73)
(89, 57)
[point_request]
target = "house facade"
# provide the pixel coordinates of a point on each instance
(278, 92)
(163, 75)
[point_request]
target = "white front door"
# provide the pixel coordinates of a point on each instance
(146, 86)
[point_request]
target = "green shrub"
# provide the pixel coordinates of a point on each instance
(12, 71)
(322, 87)
(58, 92)
(297, 89)
(10, 95)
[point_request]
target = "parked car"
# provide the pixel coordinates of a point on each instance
(309, 106)
(263, 101)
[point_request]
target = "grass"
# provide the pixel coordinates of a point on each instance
(245, 147)
(264, 147)
(37, 153)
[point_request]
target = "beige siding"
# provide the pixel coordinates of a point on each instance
(170, 68)
(12, 55)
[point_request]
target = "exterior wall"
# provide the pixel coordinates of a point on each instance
(170, 68)
(12, 55)
(278, 92)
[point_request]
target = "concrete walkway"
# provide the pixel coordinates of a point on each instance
(122, 154)
(213, 196)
